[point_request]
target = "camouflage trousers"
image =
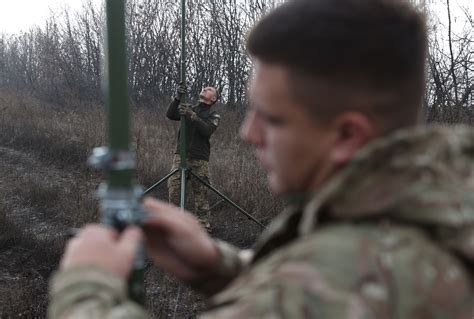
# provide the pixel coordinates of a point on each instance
(201, 204)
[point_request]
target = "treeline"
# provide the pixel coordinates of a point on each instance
(450, 86)
(63, 59)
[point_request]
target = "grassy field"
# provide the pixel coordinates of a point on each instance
(46, 188)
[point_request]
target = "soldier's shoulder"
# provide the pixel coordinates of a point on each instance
(385, 261)
(388, 270)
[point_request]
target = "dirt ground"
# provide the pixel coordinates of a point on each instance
(32, 233)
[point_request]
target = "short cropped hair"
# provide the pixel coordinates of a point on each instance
(364, 55)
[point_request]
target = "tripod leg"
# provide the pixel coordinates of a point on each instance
(221, 195)
(161, 181)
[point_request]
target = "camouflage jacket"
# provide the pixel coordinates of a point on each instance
(390, 236)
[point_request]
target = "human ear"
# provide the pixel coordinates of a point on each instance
(353, 131)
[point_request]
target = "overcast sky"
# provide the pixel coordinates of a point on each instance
(20, 15)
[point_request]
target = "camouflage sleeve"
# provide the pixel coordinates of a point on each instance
(90, 292)
(232, 262)
(207, 127)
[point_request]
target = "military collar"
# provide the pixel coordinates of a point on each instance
(408, 176)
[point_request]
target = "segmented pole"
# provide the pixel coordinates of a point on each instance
(119, 195)
(182, 130)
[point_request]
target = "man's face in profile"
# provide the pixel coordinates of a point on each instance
(290, 146)
(208, 95)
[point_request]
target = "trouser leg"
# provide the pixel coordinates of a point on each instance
(174, 183)
(201, 203)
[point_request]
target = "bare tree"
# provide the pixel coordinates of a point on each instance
(450, 62)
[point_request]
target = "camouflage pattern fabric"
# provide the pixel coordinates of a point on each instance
(97, 293)
(201, 203)
(390, 236)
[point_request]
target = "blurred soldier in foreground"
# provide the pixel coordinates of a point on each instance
(201, 122)
(380, 217)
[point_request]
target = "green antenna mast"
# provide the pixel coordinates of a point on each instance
(120, 195)
(183, 167)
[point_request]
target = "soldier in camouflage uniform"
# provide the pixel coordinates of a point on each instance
(201, 123)
(380, 216)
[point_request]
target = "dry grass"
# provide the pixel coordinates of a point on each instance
(47, 188)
